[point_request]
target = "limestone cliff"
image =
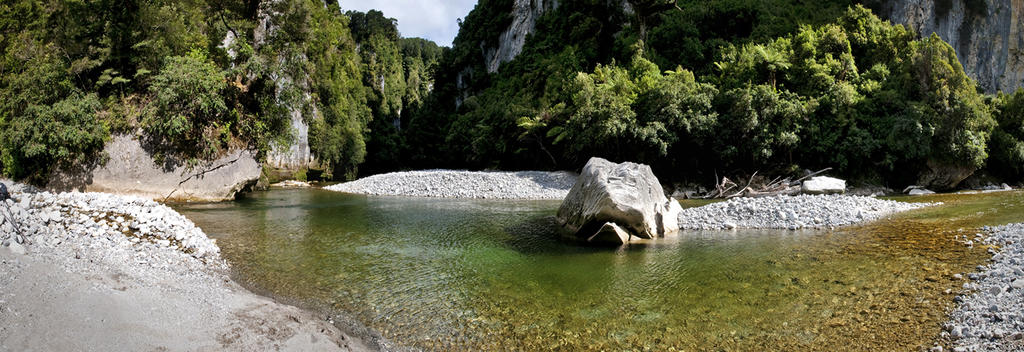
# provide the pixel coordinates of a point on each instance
(988, 35)
(296, 156)
(525, 14)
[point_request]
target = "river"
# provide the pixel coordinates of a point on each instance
(446, 274)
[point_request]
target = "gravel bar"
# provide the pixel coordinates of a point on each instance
(464, 184)
(991, 316)
(790, 212)
(104, 272)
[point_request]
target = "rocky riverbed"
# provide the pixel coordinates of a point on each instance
(126, 273)
(790, 212)
(464, 184)
(991, 316)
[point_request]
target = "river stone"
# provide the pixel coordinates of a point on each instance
(4, 195)
(628, 195)
(1017, 284)
(17, 248)
(823, 185)
(920, 192)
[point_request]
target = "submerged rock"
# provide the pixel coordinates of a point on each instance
(612, 203)
(823, 185)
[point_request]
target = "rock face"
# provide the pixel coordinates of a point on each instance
(295, 156)
(988, 35)
(943, 176)
(524, 20)
(285, 159)
(823, 185)
(612, 203)
(131, 170)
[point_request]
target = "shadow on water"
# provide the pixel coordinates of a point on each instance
(445, 274)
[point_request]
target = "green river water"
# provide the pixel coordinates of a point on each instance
(443, 274)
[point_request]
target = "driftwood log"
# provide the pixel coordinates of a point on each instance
(726, 188)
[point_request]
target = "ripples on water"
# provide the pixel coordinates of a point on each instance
(443, 274)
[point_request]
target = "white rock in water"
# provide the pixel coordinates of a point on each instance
(823, 185)
(627, 194)
(919, 192)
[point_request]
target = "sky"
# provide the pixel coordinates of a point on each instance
(430, 19)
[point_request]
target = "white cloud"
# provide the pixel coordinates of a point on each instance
(431, 19)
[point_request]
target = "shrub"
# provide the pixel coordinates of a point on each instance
(45, 122)
(1007, 147)
(188, 106)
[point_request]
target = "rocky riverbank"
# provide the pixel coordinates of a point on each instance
(991, 316)
(116, 273)
(132, 170)
(790, 212)
(464, 184)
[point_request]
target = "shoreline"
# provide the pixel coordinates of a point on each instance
(117, 273)
(125, 273)
(526, 185)
(989, 314)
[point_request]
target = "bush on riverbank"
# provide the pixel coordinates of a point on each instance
(45, 120)
(1007, 148)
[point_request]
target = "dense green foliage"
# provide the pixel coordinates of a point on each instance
(1007, 148)
(397, 72)
(198, 77)
(775, 85)
(693, 88)
(74, 70)
(187, 101)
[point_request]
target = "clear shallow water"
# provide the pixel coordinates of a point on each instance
(442, 274)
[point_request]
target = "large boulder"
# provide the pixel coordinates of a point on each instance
(823, 185)
(613, 203)
(131, 170)
(942, 176)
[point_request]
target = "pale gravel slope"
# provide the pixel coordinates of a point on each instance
(111, 273)
(464, 184)
(790, 212)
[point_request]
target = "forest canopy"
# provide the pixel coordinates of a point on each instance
(196, 78)
(693, 88)
(723, 87)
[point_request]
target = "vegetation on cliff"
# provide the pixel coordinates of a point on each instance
(719, 87)
(197, 78)
(694, 88)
